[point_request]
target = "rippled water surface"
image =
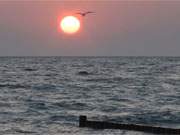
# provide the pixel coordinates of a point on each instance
(46, 95)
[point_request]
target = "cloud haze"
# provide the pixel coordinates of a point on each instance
(117, 29)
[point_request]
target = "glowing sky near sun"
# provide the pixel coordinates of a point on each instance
(117, 28)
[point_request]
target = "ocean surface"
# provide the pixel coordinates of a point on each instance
(46, 95)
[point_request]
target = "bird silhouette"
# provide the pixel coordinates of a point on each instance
(83, 14)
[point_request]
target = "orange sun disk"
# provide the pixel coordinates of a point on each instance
(70, 24)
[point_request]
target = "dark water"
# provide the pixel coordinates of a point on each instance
(45, 95)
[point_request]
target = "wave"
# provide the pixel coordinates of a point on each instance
(45, 87)
(112, 80)
(15, 86)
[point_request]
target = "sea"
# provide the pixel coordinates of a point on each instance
(46, 95)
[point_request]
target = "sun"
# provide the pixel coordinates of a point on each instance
(70, 24)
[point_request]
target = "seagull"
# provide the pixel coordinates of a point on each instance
(84, 13)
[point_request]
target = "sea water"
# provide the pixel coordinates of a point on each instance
(46, 95)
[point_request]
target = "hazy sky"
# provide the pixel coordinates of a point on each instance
(118, 28)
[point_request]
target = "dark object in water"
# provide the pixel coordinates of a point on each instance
(83, 73)
(29, 69)
(83, 122)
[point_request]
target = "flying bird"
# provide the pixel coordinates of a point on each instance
(83, 14)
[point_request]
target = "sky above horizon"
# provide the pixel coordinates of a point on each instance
(118, 28)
